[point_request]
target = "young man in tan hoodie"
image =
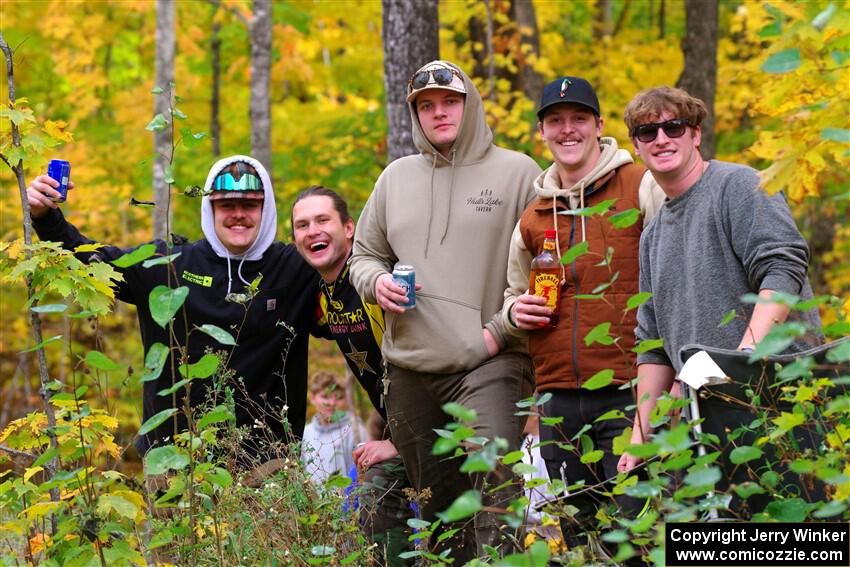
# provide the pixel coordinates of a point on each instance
(595, 286)
(444, 211)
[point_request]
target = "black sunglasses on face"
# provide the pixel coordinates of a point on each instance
(672, 129)
(442, 76)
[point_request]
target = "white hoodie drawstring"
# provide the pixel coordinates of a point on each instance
(558, 240)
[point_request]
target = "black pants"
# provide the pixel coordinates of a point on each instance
(579, 408)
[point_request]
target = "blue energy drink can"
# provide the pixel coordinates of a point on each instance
(60, 170)
(406, 278)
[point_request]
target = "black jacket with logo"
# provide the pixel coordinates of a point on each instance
(268, 366)
(358, 328)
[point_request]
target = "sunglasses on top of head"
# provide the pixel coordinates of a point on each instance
(672, 129)
(442, 76)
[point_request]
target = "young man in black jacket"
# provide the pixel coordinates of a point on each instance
(267, 368)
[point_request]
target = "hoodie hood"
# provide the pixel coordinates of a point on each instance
(548, 184)
(474, 137)
(268, 221)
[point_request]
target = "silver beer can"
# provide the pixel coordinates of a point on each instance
(406, 278)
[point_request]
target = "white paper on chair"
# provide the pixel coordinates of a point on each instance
(701, 370)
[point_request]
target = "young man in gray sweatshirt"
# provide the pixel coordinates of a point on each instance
(717, 237)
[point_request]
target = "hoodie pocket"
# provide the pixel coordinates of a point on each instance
(440, 335)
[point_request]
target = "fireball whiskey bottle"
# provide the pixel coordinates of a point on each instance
(545, 279)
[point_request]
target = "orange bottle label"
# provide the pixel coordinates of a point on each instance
(548, 285)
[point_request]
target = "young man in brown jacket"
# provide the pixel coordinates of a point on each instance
(595, 286)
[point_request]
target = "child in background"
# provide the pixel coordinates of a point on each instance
(332, 434)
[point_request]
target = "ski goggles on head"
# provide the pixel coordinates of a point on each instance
(672, 129)
(237, 180)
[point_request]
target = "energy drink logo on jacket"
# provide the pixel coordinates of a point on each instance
(205, 281)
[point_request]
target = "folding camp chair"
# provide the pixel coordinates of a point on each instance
(722, 397)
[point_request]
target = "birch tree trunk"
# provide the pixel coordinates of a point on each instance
(409, 43)
(165, 45)
(699, 76)
(261, 57)
(526, 20)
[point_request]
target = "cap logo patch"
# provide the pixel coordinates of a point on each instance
(565, 84)
(271, 304)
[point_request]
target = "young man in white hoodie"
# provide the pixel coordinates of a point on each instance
(444, 211)
(269, 361)
(595, 286)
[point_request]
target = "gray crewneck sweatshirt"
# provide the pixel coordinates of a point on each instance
(721, 239)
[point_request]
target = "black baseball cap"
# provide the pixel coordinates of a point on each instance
(568, 89)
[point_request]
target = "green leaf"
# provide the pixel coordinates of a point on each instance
(464, 506)
(836, 135)
(219, 477)
(596, 209)
(608, 415)
(46, 456)
(578, 250)
(840, 353)
(42, 344)
(791, 510)
(744, 454)
(747, 489)
(179, 114)
(625, 219)
(156, 420)
(830, 509)
(637, 300)
(134, 257)
(168, 173)
(204, 368)
(727, 318)
(154, 361)
(218, 334)
(599, 380)
(648, 345)
(779, 338)
(156, 90)
(782, 62)
(513, 457)
(592, 457)
(216, 415)
(706, 476)
(599, 334)
(337, 481)
(158, 123)
(823, 18)
(164, 303)
(191, 140)
(96, 359)
(160, 260)
(163, 459)
(177, 385)
(460, 413)
(107, 503)
(51, 308)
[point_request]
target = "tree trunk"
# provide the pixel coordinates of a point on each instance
(409, 43)
(602, 19)
(699, 76)
(215, 125)
(165, 45)
(530, 80)
(261, 58)
(662, 26)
